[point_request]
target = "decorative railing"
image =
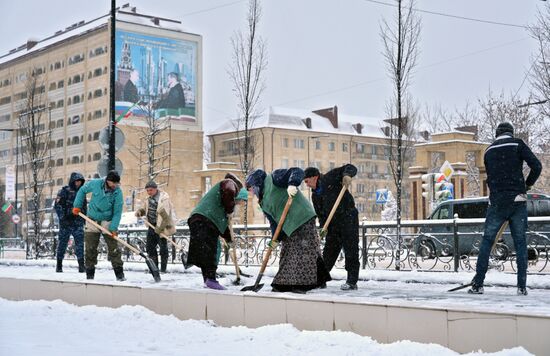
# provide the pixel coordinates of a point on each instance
(427, 245)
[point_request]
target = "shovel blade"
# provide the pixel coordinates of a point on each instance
(460, 287)
(153, 269)
(254, 288)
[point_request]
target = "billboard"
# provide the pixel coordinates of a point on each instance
(156, 76)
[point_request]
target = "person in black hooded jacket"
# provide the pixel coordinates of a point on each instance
(70, 224)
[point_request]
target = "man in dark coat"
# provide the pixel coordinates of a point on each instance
(176, 96)
(301, 267)
(68, 223)
(343, 230)
(130, 89)
(209, 220)
(507, 200)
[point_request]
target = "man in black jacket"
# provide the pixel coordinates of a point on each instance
(507, 200)
(68, 223)
(343, 230)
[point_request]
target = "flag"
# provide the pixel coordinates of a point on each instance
(6, 207)
(125, 114)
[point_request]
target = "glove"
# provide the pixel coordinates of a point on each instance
(346, 181)
(323, 233)
(114, 234)
(76, 211)
(292, 190)
(273, 244)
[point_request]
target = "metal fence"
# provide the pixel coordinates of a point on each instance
(426, 245)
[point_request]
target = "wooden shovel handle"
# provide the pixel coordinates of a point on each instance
(334, 207)
(276, 234)
(161, 234)
(499, 234)
(108, 233)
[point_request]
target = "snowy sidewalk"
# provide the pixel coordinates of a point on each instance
(418, 289)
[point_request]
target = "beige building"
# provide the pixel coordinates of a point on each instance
(466, 157)
(284, 138)
(73, 65)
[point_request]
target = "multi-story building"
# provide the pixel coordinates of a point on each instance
(73, 67)
(325, 139)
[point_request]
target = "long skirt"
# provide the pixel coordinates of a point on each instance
(203, 246)
(301, 266)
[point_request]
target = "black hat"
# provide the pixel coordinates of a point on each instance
(504, 127)
(151, 184)
(113, 176)
(311, 172)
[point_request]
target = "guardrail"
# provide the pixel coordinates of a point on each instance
(425, 245)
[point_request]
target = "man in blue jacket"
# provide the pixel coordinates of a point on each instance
(68, 223)
(105, 208)
(507, 200)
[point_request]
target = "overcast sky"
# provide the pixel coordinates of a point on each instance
(326, 52)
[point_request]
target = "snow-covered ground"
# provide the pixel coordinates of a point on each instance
(376, 286)
(58, 328)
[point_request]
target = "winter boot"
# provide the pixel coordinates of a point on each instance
(59, 266)
(163, 263)
(522, 291)
(213, 284)
(119, 273)
(81, 268)
(90, 272)
(475, 289)
(348, 286)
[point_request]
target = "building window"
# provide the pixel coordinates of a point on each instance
(97, 156)
(331, 146)
(317, 145)
(344, 147)
(331, 165)
(299, 163)
(360, 148)
(5, 100)
(299, 143)
(60, 103)
(285, 142)
(59, 181)
(98, 93)
(284, 163)
(60, 84)
(59, 123)
(59, 143)
(5, 118)
(360, 188)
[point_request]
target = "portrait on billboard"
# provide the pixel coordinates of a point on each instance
(158, 73)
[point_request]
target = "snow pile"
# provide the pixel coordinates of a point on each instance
(58, 328)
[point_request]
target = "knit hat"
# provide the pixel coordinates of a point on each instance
(256, 178)
(151, 184)
(311, 172)
(235, 179)
(243, 194)
(113, 176)
(504, 127)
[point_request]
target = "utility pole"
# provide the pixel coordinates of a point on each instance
(111, 165)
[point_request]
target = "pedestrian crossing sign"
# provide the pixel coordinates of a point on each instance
(381, 196)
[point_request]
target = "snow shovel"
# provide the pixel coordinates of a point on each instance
(150, 264)
(332, 212)
(257, 286)
(178, 247)
(499, 235)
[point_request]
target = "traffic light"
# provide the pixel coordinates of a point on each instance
(428, 186)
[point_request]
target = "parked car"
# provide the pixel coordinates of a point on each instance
(439, 240)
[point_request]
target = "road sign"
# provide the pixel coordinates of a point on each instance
(447, 170)
(381, 196)
(15, 219)
(103, 166)
(104, 139)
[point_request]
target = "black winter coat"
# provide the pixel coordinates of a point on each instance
(326, 193)
(64, 202)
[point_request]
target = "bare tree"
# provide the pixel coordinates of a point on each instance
(247, 74)
(35, 132)
(153, 150)
(540, 73)
(528, 125)
(400, 40)
(436, 119)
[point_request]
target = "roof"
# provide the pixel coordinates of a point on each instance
(295, 119)
(83, 27)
